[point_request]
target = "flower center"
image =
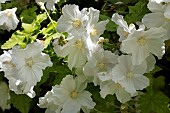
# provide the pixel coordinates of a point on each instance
(9, 14)
(101, 65)
(142, 41)
(78, 44)
(93, 32)
(116, 86)
(76, 23)
(29, 62)
(125, 34)
(74, 94)
(130, 74)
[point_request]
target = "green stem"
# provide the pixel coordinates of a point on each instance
(50, 19)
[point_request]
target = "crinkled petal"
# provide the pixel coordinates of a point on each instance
(71, 106)
(85, 99)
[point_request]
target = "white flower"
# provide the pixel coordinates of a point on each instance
(75, 48)
(141, 43)
(50, 4)
(160, 17)
(110, 87)
(101, 61)
(8, 19)
(160, 1)
(20, 87)
(123, 29)
(70, 96)
(48, 101)
(130, 76)
(72, 21)
(4, 94)
(29, 63)
(95, 28)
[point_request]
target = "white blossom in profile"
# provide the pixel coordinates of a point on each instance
(159, 16)
(29, 63)
(50, 102)
(110, 87)
(70, 95)
(101, 61)
(8, 19)
(6, 64)
(123, 29)
(72, 21)
(141, 43)
(50, 4)
(130, 76)
(4, 94)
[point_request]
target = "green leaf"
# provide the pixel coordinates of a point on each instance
(136, 12)
(48, 39)
(29, 15)
(62, 71)
(154, 102)
(41, 17)
(111, 26)
(21, 102)
(106, 105)
(154, 84)
(28, 28)
(1, 76)
(16, 38)
(50, 28)
(159, 82)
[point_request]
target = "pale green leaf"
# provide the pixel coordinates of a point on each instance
(51, 27)
(28, 28)
(41, 17)
(16, 38)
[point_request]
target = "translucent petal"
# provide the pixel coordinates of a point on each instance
(154, 19)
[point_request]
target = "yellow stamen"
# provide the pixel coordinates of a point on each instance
(74, 94)
(76, 23)
(78, 44)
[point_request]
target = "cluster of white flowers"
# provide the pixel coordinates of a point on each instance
(83, 34)
(121, 75)
(83, 47)
(8, 18)
(159, 16)
(23, 67)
